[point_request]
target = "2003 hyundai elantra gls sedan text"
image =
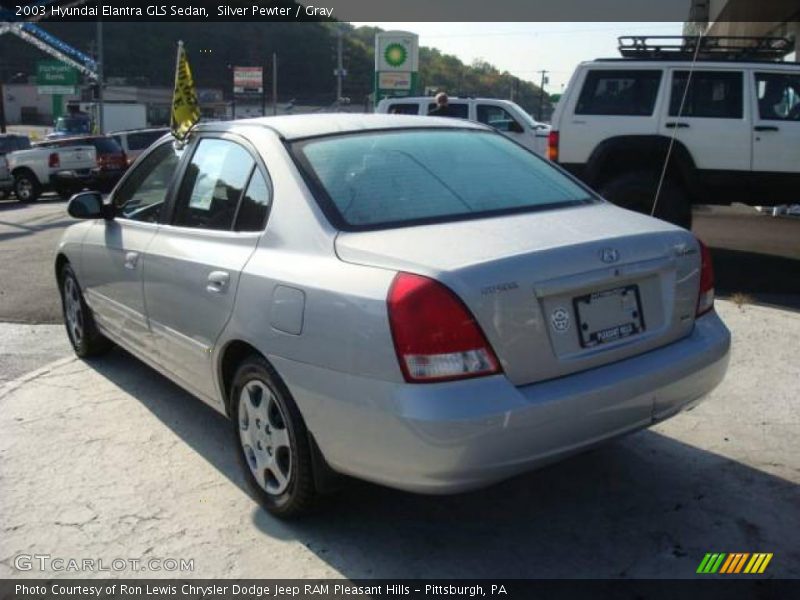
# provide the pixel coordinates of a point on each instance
(414, 301)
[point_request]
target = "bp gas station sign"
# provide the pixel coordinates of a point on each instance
(396, 64)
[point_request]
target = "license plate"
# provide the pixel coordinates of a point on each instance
(609, 315)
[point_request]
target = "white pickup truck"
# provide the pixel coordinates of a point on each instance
(41, 169)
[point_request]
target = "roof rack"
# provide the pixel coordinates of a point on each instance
(684, 47)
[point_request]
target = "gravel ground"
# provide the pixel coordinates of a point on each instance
(106, 459)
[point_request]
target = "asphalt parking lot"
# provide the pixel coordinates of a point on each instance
(108, 459)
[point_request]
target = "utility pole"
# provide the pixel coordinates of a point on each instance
(274, 84)
(541, 93)
(100, 77)
(339, 67)
(2, 105)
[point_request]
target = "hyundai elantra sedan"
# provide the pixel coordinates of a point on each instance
(418, 302)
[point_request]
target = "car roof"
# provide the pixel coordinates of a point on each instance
(699, 64)
(140, 130)
(293, 127)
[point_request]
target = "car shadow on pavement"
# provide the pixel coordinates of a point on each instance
(765, 278)
(644, 506)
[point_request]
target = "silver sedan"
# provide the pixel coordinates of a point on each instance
(414, 301)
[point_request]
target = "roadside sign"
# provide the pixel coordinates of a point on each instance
(396, 63)
(248, 80)
(64, 90)
(55, 72)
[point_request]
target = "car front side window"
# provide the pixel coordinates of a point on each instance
(212, 186)
(143, 193)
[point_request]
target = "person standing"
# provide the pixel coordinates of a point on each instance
(442, 107)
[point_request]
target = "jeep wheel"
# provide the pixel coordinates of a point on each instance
(636, 191)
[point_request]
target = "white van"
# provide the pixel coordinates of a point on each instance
(507, 117)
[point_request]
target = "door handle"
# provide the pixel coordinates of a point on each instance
(131, 258)
(672, 125)
(217, 282)
(765, 128)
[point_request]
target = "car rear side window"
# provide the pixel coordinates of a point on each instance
(711, 94)
(213, 185)
(255, 204)
(778, 96)
(142, 194)
(623, 92)
(389, 178)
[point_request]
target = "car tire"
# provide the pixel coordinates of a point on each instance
(26, 187)
(82, 332)
(273, 445)
(636, 191)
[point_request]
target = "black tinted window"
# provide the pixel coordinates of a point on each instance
(106, 146)
(213, 184)
(255, 204)
(143, 193)
(399, 108)
(457, 110)
(711, 94)
(631, 93)
(778, 96)
(143, 139)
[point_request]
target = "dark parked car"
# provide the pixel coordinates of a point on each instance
(10, 142)
(136, 141)
(111, 165)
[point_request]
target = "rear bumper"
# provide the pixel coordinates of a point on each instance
(6, 184)
(455, 436)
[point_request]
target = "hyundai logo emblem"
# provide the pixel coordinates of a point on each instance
(609, 255)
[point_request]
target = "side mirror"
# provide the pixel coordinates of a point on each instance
(89, 205)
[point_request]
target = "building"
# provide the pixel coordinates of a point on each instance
(777, 18)
(24, 104)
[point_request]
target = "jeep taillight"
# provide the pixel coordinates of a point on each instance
(53, 160)
(552, 146)
(435, 335)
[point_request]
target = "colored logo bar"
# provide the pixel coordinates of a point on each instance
(734, 562)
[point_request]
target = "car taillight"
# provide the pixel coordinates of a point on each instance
(435, 336)
(705, 299)
(54, 161)
(552, 146)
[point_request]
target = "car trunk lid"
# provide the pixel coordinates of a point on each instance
(557, 291)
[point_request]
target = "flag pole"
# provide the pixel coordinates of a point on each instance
(175, 87)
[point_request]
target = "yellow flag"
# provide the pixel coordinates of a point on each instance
(185, 109)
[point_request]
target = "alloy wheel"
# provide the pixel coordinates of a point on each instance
(264, 437)
(73, 310)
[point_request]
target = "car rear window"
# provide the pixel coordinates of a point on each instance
(106, 146)
(403, 177)
(624, 92)
(143, 139)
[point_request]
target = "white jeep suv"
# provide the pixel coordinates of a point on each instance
(735, 132)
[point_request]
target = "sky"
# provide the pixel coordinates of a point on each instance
(523, 49)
